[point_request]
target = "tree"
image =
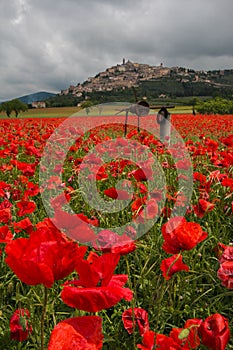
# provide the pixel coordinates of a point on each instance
(14, 105)
(6, 107)
(87, 105)
(18, 107)
(215, 106)
(193, 102)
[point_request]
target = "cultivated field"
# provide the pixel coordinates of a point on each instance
(114, 242)
(64, 112)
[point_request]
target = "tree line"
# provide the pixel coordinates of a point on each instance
(217, 105)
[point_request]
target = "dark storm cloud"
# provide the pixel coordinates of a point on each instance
(48, 45)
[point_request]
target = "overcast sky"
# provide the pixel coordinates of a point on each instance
(46, 45)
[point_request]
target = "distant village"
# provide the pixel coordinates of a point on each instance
(130, 74)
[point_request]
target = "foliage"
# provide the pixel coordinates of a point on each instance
(215, 106)
(13, 106)
(62, 101)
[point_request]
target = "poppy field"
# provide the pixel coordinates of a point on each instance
(116, 242)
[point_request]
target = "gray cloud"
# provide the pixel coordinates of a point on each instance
(48, 45)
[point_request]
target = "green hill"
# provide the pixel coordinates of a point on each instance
(153, 83)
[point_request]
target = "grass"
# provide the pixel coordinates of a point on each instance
(64, 112)
(46, 112)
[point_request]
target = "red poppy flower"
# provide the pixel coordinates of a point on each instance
(101, 175)
(5, 167)
(53, 182)
(166, 343)
(131, 232)
(32, 190)
(82, 233)
(92, 221)
(25, 207)
(227, 254)
(187, 338)
(4, 186)
(127, 246)
(5, 204)
(16, 194)
(148, 341)
(110, 242)
(202, 208)
(182, 236)
(23, 225)
(2, 193)
(97, 288)
(142, 188)
(5, 234)
(83, 333)
(181, 199)
(141, 174)
(32, 150)
(150, 211)
(137, 206)
(225, 274)
(193, 325)
(60, 200)
(215, 332)
(44, 257)
(228, 141)
(117, 194)
(216, 176)
(183, 164)
(199, 177)
(172, 265)
(19, 325)
(227, 182)
(105, 240)
(26, 168)
(22, 179)
(137, 316)
(5, 215)
(74, 226)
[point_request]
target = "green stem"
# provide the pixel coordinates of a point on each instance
(132, 302)
(43, 316)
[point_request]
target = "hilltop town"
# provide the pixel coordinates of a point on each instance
(123, 76)
(129, 74)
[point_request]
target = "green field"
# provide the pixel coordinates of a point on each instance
(60, 112)
(45, 112)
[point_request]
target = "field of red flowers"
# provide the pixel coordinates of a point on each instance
(82, 272)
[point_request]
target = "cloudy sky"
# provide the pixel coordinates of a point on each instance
(46, 45)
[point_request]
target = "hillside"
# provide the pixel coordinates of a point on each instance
(37, 96)
(152, 82)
